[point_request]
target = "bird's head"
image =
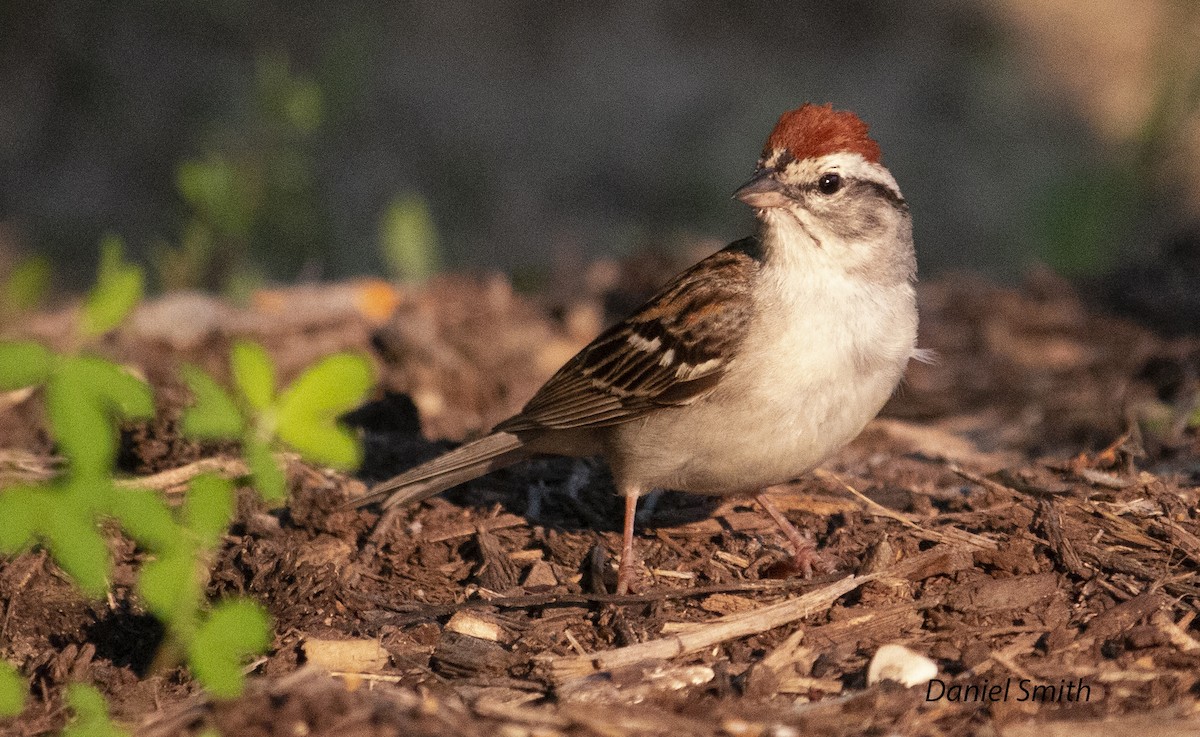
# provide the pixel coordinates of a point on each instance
(820, 172)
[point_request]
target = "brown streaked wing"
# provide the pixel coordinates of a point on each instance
(671, 352)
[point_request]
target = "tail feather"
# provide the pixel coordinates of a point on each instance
(467, 462)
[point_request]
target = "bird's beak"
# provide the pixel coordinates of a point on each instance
(762, 191)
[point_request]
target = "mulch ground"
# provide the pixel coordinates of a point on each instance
(1024, 514)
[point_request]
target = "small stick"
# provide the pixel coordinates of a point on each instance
(176, 478)
(566, 599)
(720, 630)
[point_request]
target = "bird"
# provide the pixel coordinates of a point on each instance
(750, 368)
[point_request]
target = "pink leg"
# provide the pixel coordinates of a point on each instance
(804, 553)
(625, 571)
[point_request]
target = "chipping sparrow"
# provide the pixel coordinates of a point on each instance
(751, 367)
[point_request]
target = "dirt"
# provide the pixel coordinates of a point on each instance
(1026, 509)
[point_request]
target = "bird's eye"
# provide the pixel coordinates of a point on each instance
(829, 183)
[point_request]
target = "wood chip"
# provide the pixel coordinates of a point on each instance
(1125, 615)
(566, 668)
(951, 535)
(1050, 516)
(480, 625)
(498, 571)
(878, 625)
(998, 594)
(540, 576)
(1174, 633)
(727, 604)
(527, 556)
(733, 559)
(354, 656)
(1182, 538)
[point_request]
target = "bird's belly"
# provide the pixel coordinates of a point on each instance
(762, 433)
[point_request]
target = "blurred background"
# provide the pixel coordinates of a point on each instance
(231, 143)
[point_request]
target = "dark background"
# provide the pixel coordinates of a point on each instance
(231, 143)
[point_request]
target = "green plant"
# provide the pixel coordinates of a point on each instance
(119, 288)
(85, 396)
(85, 399)
(251, 192)
(26, 287)
(172, 583)
(13, 690)
(303, 415)
(91, 714)
(408, 239)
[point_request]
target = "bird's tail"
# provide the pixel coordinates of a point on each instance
(469, 461)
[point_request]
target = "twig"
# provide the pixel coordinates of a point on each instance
(983, 481)
(533, 601)
(730, 627)
(13, 397)
(954, 535)
(22, 466)
(366, 676)
(174, 479)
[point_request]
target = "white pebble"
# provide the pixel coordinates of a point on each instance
(898, 663)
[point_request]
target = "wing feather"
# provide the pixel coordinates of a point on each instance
(671, 352)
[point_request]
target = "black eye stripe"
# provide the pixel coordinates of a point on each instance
(879, 189)
(894, 198)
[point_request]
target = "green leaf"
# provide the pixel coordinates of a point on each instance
(81, 425)
(268, 476)
(116, 389)
(408, 238)
(331, 446)
(13, 691)
(81, 398)
(308, 409)
(70, 531)
(118, 290)
(24, 363)
(253, 373)
(91, 714)
(18, 509)
(169, 584)
(220, 192)
(208, 508)
(234, 630)
(214, 416)
(28, 284)
(146, 518)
